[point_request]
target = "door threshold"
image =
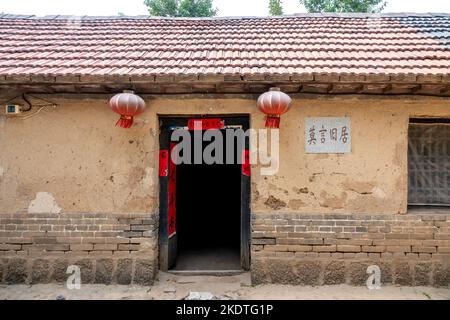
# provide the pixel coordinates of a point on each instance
(217, 273)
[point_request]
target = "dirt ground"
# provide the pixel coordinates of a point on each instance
(171, 287)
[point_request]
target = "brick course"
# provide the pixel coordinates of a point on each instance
(41, 244)
(289, 248)
(414, 248)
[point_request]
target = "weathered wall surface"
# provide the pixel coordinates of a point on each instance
(73, 159)
(75, 190)
(63, 166)
(76, 156)
(372, 179)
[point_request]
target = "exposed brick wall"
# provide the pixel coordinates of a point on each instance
(119, 248)
(311, 249)
(320, 249)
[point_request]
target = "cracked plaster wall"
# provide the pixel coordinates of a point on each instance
(75, 157)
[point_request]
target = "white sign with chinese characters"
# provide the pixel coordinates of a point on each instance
(328, 135)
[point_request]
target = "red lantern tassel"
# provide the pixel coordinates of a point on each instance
(273, 122)
(125, 122)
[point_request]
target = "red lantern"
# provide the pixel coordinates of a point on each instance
(128, 105)
(274, 103)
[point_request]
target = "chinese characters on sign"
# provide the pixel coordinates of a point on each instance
(328, 135)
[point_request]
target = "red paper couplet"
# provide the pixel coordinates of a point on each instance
(163, 163)
(246, 168)
(172, 227)
(206, 124)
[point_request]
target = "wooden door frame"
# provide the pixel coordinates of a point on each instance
(166, 125)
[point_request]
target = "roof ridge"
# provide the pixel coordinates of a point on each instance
(297, 15)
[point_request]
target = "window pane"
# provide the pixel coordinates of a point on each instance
(429, 164)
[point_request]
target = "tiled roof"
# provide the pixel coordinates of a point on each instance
(291, 45)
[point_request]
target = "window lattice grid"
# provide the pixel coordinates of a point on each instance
(429, 164)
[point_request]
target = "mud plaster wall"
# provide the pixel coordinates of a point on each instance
(73, 159)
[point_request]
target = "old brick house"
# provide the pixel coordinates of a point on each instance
(76, 190)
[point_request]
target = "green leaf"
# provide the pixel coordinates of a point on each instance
(275, 7)
(181, 8)
(369, 6)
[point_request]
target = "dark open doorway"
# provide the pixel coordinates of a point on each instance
(205, 209)
(209, 217)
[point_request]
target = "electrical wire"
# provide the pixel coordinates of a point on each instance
(33, 114)
(30, 105)
(42, 99)
(28, 102)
